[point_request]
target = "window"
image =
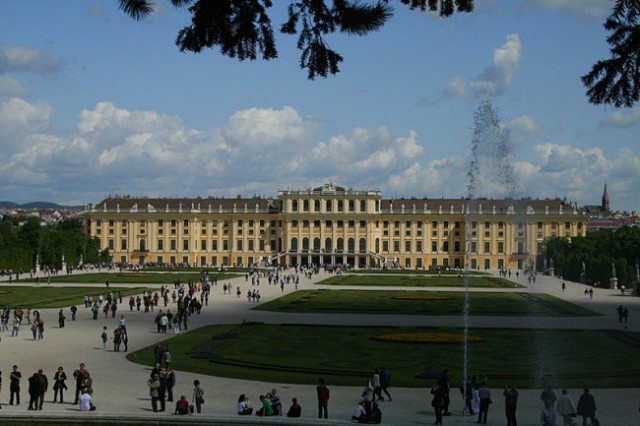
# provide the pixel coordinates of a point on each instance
(362, 246)
(396, 246)
(225, 245)
(112, 223)
(352, 205)
(446, 224)
(172, 244)
(294, 223)
(328, 224)
(123, 244)
(124, 222)
(340, 224)
(251, 223)
(98, 222)
(474, 247)
(340, 205)
(316, 206)
(111, 244)
(294, 205)
(456, 246)
(385, 245)
(173, 222)
(328, 206)
(396, 224)
(185, 222)
(407, 224)
(352, 224)
(457, 225)
(487, 247)
(434, 224)
(407, 246)
(434, 246)
(185, 245)
(203, 244)
(214, 245)
(316, 224)
(239, 245)
(567, 225)
(305, 223)
(500, 225)
(445, 246)
(305, 205)
(419, 246)
(363, 205)
(261, 245)
(160, 244)
(363, 224)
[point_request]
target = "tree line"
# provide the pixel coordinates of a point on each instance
(599, 251)
(22, 241)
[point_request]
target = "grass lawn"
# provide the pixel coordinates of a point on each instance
(423, 303)
(414, 272)
(348, 355)
(55, 297)
(131, 278)
(419, 281)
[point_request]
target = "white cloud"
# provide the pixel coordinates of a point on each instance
(20, 119)
(9, 86)
(520, 128)
(622, 119)
(495, 79)
(27, 59)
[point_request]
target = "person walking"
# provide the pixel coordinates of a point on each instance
(586, 407)
(59, 385)
(323, 399)
(198, 396)
(510, 404)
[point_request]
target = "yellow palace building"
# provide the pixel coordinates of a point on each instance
(331, 225)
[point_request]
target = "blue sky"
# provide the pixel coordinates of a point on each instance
(93, 103)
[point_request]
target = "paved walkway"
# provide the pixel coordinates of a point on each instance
(121, 392)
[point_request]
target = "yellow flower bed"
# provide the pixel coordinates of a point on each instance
(426, 337)
(4, 291)
(135, 275)
(425, 297)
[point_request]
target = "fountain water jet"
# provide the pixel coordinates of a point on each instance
(490, 175)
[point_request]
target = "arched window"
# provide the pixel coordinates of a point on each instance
(363, 245)
(327, 245)
(294, 244)
(143, 245)
(378, 245)
(340, 245)
(328, 206)
(352, 245)
(316, 206)
(294, 205)
(305, 244)
(316, 244)
(340, 205)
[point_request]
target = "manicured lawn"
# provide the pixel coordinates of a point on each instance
(348, 355)
(423, 303)
(55, 297)
(413, 271)
(419, 281)
(131, 278)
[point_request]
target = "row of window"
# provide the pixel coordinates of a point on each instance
(305, 205)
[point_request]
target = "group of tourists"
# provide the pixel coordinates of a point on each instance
(38, 385)
(477, 400)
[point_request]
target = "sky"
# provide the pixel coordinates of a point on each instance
(94, 104)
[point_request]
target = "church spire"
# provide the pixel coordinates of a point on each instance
(605, 200)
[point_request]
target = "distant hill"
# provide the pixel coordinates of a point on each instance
(37, 205)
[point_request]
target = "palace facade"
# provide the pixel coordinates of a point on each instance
(331, 225)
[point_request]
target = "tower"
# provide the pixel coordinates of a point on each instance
(605, 200)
